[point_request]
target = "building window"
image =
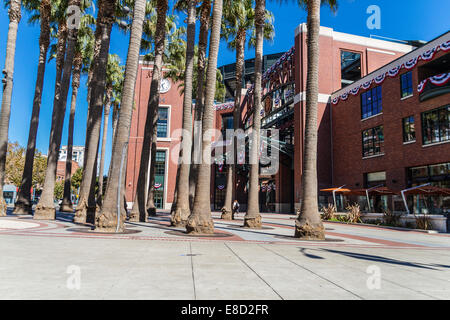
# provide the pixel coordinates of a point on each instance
(371, 102)
(409, 131)
(350, 67)
(373, 141)
(406, 84)
(436, 125)
(163, 120)
(160, 171)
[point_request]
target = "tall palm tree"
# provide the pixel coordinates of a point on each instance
(112, 214)
(141, 207)
(45, 208)
(23, 203)
(114, 78)
(252, 218)
(238, 22)
(14, 13)
(205, 13)
(105, 20)
(82, 59)
(200, 220)
(182, 209)
(309, 224)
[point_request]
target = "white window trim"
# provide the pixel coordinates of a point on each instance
(409, 142)
(435, 144)
(374, 156)
(169, 120)
(407, 97)
(166, 173)
(376, 115)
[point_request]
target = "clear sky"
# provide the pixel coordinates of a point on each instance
(400, 19)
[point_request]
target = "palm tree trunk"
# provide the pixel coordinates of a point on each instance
(200, 221)
(182, 210)
(107, 219)
(149, 142)
(86, 202)
(309, 224)
(23, 204)
(103, 149)
(14, 18)
(46, 208)
(66, 205)
(205, 12)
(252, 217)
(231, 173)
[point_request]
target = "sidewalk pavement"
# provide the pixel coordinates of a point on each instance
(54, 260)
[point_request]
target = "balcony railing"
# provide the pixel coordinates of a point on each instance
(434, 86)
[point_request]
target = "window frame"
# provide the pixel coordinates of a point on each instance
(368, 109)
(372, 142)
(408, 125)
(440, 128)
(409, 86)
(167, 136)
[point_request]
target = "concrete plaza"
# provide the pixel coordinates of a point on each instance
(55, 260)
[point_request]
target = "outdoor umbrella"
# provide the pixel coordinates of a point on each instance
(336, 190)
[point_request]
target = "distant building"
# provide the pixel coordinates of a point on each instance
(61, 169)
(77, 154)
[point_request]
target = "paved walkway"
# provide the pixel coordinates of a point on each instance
(54, 260)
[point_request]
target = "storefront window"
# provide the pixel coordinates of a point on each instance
(436, 125)
(373, 141)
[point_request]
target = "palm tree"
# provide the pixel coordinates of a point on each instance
(14, 13)
(45, 208)
(239, 20)
(105, 20)
(200, 220)
(182, 210)
(140, 207)
(252, 217)
(114, 79)
(23, 203)
(205, 12)
(82, 59)
(309, 224)
(107, 220)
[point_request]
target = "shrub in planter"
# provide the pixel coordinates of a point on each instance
(424, 223)
(391, 219)
(354, 213)
(328, 213)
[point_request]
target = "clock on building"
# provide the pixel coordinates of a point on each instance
(164, 86)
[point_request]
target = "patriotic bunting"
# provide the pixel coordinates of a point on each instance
(224, 106)
(439, 80)
(428, 55)
(157, 185)
(220, 187)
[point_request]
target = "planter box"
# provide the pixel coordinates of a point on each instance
(438, 222)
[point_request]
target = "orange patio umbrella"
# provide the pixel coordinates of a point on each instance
(334, 191)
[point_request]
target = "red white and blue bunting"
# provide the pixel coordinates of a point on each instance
(268, 187)
(224, 106)
(220, 187)
(425, 56)
(439, 80)
(157, 186)
(279, 63)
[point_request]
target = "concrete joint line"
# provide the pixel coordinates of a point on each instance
(254, 271)
(318, 275)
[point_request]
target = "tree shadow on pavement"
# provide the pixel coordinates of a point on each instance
(382, 259)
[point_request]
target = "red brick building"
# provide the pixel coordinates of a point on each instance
(61, 169)
(344, 59)
(392, 127)
(170, 119)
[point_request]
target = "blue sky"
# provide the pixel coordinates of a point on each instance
(423, 20)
